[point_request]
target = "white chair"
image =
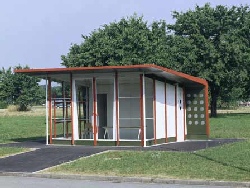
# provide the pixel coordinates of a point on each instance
(88, 131)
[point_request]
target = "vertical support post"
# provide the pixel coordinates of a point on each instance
(94, 110)
(154, 110)
(117, 109)
(50, 110)
(47, 114)
(206, 108)
(166, 115)
(72, 109)
(184, 112)
(63, 105)
(79, 111)
(54, 116)
(175, 104)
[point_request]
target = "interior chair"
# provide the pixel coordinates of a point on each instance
(87, 131)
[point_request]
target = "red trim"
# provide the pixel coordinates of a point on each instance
(112, 68)
(154, 110)
(67, 123)
(184, 111)
(166, 115)
(94, 110)
(175, 101)
(142, 110)
(206, 113)
(54, 118)
(117, 110)
(50, 110)
(63, 96)
(72, 109)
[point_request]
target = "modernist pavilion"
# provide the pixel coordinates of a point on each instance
(124, 105)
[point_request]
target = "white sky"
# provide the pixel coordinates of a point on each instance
(37, 32)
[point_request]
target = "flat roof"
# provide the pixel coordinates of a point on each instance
(62, 74)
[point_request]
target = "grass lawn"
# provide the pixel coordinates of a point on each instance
(230, 126)
(21, 128)
(228, 162)
(220, 163)
(6, 151)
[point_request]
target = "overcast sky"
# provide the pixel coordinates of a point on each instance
(37, 32)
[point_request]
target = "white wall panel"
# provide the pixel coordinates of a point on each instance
(160, 109)
(75, 113)
(170, 110)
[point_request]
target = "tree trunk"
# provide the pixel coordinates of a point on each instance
(213, 103)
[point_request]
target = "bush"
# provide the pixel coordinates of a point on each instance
(13, 108)
(3, 105)
(16, 108)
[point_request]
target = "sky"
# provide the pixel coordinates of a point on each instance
(36, 33)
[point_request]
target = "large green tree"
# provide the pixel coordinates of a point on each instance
(128, 41)
(213, 43)
(19, 89)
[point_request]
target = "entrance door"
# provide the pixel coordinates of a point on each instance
(102, 114)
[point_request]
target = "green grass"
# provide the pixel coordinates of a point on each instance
(221, 163)
(21, 128)
(230, 126)
(228, 162)
(6, 151)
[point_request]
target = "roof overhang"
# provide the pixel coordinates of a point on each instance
(62, 74)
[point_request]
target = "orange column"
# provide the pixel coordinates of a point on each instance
(206, 108)
(72, 109)
(50, 110)
(175, 99)
(154, 110)
(184, 112)
(94, 110)
(166, 118)
(117, 110)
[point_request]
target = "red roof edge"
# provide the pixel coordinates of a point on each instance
(71, 69)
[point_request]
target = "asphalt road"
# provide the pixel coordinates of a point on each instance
(31, 182)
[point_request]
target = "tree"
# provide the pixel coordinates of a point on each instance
(19, 89)
(129, 41)
(216, 40)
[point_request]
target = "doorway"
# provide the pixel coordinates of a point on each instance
(102, 114)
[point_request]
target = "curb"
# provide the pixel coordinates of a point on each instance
(120, 179)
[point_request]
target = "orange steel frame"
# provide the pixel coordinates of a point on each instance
(154, 110)
(72, 109)
(72, 69)
(142, 109)
(94, 110)
(175, 99)
(166, 118)
(50, 110)
(54, 108)
(184, 112)
(206, 107)
(117, 110)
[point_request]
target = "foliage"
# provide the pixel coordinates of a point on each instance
(129, 41)
(19, 89)
(213, 43)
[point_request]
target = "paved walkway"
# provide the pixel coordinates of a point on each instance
(47, 156)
